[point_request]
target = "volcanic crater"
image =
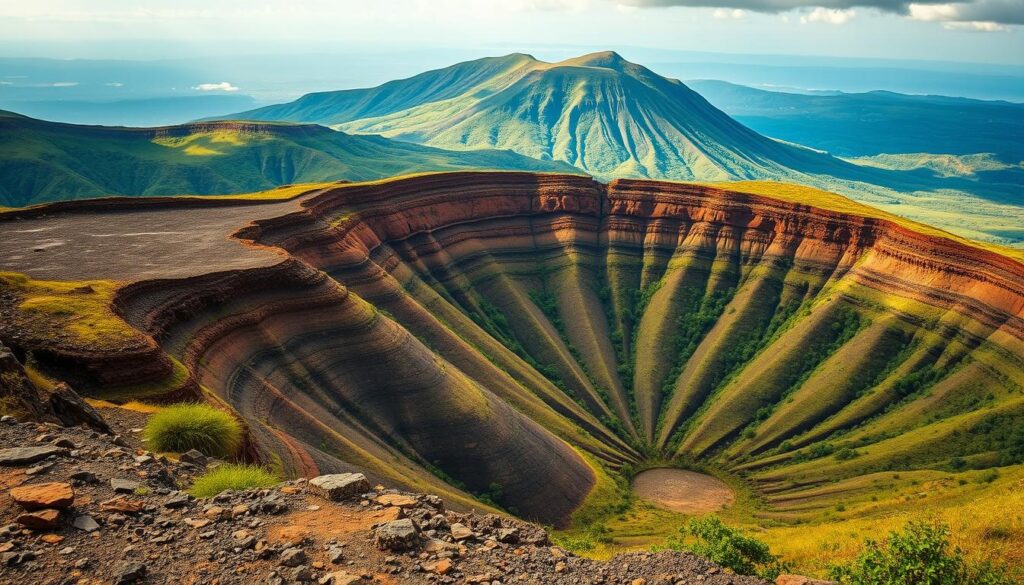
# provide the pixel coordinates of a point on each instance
(525, 337)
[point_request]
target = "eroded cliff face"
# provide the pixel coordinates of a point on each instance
(516, 335)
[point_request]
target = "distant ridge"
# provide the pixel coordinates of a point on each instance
(47, 161)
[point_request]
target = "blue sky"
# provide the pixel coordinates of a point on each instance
(986, 31)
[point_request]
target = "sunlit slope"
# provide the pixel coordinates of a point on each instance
(770, 337)
(44, 161)
(598, 112)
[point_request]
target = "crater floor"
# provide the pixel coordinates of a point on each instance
(683, 491)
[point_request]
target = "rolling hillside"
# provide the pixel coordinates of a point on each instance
(45, 161)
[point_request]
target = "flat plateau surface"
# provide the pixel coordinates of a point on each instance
(136, 244)
(686, 492)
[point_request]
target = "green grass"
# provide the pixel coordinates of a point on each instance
(81, 310)
(232, 476)
(182, 427)
(45, 161)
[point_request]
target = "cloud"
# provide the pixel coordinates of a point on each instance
(222, 86)
(828, 15)
(115, 84)
(977, 14)
(725, 13)
(64, 84)
(974, 14)
(976, 26)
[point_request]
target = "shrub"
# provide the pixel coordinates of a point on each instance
(919, 555)
(585, 540)
(724, 546)
(182, 427)
(232, 477)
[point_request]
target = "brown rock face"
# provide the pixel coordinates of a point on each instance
(123, 505)
(40, 520)
(44, 495)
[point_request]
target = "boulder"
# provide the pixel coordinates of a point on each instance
(123, 505)
(397, 535)
(124, 486)
(341, 578)
(193, 457)
(19, 456)
(339, 486)
(44, 495)
(461, 531)
(130, 573)
(293, 557)
(71, 410)
(397, 500)
(40, 520)
(508, 535)
(85, 523)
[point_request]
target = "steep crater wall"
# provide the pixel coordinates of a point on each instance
(517, 337)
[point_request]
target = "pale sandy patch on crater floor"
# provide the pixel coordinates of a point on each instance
(679, 490)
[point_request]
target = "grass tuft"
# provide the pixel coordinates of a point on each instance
(232, 477)
(182, 427)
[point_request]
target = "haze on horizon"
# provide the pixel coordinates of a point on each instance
(980, 31)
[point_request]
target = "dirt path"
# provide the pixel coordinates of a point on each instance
(686, 492)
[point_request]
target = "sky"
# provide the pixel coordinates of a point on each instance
(981, 31)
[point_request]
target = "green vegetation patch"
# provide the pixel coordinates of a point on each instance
(79, 312)
(920, 554)
(182, 427)
(709, 538)
(232, 477)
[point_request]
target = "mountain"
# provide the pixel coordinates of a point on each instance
(612, 119)
(46, 161)
(877, 122)
(598, 112)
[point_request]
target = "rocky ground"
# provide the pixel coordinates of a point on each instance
(83, 507)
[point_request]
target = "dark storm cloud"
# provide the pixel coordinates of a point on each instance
(999, 11)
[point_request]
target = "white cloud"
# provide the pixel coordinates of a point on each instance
(976, 26)
(933, 12)
(222, 86)
(828, 15)
(990, 16)
(725, 13)
(64, 84)
(115, 84)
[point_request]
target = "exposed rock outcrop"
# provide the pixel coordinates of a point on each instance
(21, 398)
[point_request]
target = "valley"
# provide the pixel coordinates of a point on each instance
(533, 342)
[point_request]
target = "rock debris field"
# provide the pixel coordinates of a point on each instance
(83, 507)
